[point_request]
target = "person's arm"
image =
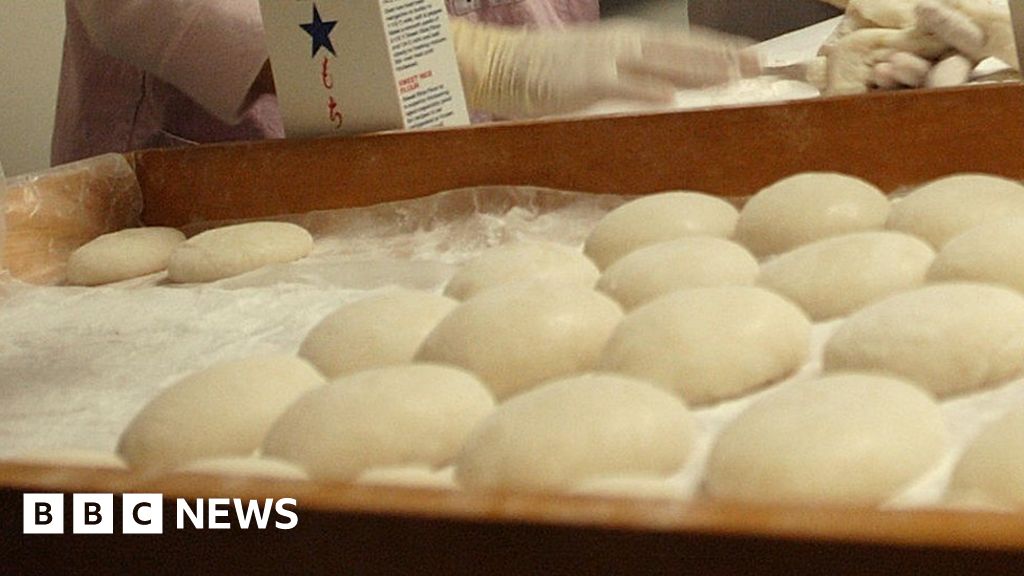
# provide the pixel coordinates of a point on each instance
(523, 72)
(212, 50)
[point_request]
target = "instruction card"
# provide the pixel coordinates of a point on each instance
(352, 66)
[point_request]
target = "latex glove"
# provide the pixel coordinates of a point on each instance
(907, 70)
(853, 66)
(901, 69)
(861, 14)
(881, 57)
(523, 72)
(881, 44)
(976, 28)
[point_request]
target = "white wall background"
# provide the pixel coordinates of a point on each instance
(31, 40)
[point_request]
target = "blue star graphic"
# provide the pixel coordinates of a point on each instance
(321, 32)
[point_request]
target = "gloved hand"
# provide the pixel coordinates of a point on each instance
(524, 72)
(880, 57)
(910, 43)
(976, 28)
(860, 14)
(874, 45)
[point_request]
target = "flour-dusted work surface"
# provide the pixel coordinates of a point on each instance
(629, 521)
(80, 363)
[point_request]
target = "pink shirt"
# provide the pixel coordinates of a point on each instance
(153, 73)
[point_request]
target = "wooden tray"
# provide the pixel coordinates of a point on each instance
(892, 139)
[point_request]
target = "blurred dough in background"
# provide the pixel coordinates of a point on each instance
(235, 249)
(121, 255)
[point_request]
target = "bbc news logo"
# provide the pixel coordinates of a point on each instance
(144, 514)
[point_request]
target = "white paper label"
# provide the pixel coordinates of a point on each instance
(350, 66)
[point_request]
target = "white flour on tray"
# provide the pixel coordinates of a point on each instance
(76, 364)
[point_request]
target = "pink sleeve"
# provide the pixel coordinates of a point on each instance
(211, 50)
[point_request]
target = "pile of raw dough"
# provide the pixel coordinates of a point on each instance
(887, 44)
(206, 257)
(536, 371)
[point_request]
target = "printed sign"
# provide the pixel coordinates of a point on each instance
(144, 514)
(351, 66)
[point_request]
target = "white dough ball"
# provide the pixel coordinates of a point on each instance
(514, 337)
(409, 477)
(565, 432)
(236, 249)
(710, 344)
(988, 253)
(245, 467)
(69, 457)
(808, 207)
(836, 276)
(849, 439)
(121, 255)
(690, 262)
(992, 468)
(415, 414)
(382, 330)
(947, 207)
(947, 338)
(518, 261)
(224, 410)
(658, 218)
